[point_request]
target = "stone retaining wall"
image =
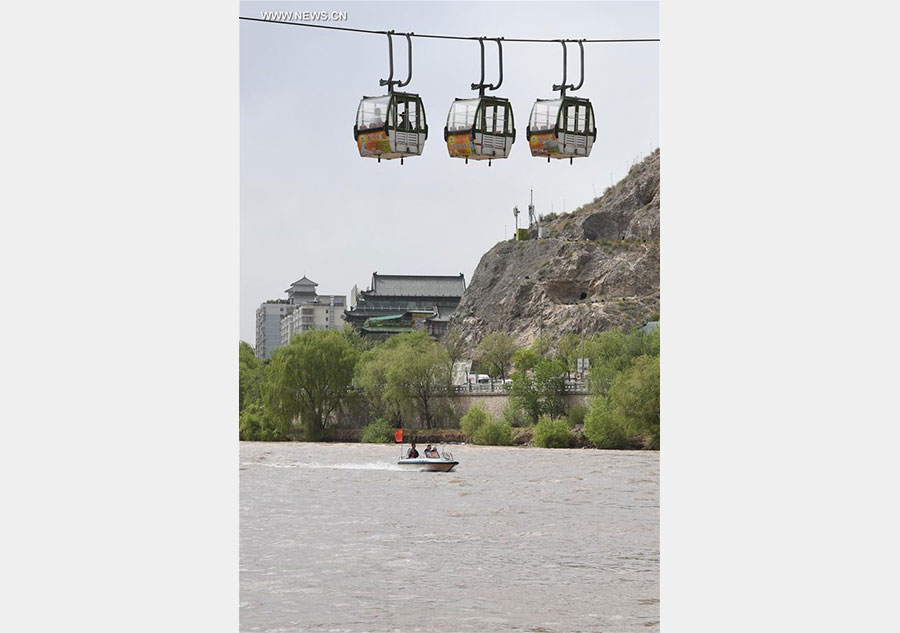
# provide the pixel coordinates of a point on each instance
(357, 415)
(495, 403)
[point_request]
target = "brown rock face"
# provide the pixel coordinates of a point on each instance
(597, 270)
(629, 210)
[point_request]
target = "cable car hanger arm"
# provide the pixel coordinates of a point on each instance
(563, 87)
(500, 54)
(480, 86)
(390, 81)
(580, 83)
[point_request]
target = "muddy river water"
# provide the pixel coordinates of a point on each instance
(335, 537)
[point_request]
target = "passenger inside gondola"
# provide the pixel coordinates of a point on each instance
(543, 116)
(378, 121)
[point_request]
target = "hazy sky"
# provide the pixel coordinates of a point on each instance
(311, 205)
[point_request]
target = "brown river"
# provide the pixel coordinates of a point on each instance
(335, 537)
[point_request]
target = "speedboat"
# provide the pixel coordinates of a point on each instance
(445, 463)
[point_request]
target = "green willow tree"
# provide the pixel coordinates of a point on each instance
(537, 385)
(630, 410)
(543, 345)
(404, 376)
(635, 394)
(455, 345)
(569, 349)
(372, 376)
(496, 352)
(614, 351)
(250, 376)
(309, 379)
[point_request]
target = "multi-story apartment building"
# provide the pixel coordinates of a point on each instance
(279, 320)
(268, 326)
(321, 314)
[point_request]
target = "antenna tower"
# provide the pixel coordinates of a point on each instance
(532, 219)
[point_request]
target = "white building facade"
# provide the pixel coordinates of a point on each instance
(268, 326)
(279, 320)
(321, 314)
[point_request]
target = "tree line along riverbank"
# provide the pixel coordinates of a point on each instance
(309, 388)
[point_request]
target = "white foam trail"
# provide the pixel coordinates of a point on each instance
(340, 466)
(362, 466)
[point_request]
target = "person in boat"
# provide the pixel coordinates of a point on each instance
(431, 452)
(412, 453)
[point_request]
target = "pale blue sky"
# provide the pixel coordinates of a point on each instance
(310, 205)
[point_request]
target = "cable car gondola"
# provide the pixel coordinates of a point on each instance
(564, 127)
(481, 128)
(392, 125)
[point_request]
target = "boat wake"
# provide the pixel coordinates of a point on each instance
(339, 466)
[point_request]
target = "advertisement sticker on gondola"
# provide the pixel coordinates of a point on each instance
(460, 144)
(544, 143)
(374, 142)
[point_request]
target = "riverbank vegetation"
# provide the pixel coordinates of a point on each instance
(335, 386)
(550, 433)
(378, 432)
(480, 427)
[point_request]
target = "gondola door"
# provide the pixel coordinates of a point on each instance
(576, 127)
(407, 123)
(494, 129)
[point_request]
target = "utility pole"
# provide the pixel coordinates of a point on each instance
(583, 320)
(541, 322)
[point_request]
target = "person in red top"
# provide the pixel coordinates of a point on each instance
(412, 453)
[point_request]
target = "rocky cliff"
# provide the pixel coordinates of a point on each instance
(596, 268)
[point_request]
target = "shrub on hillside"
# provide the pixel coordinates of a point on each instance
(493, 433)
(603, 427)
(513, 416)
(552, 433)
(474, 419)
(576, 415)
(378, 432)
(635, 396)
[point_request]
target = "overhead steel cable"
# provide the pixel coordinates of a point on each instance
(452, 37)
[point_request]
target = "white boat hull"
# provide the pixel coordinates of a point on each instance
(424, 463)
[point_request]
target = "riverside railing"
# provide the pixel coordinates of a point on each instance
(500, 388)
(497, 388)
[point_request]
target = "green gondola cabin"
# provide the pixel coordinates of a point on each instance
(390, 126)
(480, 129)
(561, 128)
